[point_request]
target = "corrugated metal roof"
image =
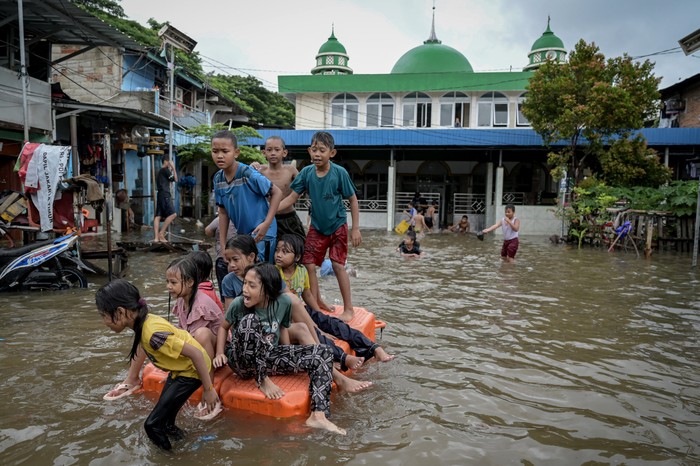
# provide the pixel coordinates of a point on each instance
(460, 137)
(61, 22)
(128, 115)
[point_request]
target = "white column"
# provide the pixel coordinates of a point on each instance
(391, 194)
(489, 217)
(498, 201)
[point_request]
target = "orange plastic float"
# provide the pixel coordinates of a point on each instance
(236, 393)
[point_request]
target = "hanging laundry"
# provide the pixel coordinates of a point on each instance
(46, 168)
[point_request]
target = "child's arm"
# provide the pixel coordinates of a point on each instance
(261, 230)
(310, 299)
(514, 225)
(209, 395)
(355, 235)
(492, 227)
(220, 359)
(284, 336)
(287, 202)
(223, 227)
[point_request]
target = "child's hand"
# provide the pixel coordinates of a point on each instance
(220, 360)
(356, 237)
(256, 165)
(260, 231)
(210, 397)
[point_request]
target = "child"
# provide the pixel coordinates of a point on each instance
(164, 201)
(242, 196)
(511, 225)
(290, 250)
(431, 216)
(419, 225)
(170, 349)
(202, 260)
(327, 185)
(221, 266)
(409, 247)
(462, 226)
(281, 175)
(259, 320)
(242, 253)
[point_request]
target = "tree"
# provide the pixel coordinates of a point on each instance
(597, 105)
(200, 149)
(108, 6)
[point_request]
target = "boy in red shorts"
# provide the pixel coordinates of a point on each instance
(511, 226)
(327, 184)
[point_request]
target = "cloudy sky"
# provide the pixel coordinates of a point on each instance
(267, 38)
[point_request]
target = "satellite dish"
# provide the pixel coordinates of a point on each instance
(140, 134)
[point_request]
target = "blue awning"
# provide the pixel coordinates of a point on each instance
(459, 137)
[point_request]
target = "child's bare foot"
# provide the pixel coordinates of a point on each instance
(346, 315)
(324, 307)
(270, 390)
(353, 362)
(318, 420)
(382, 355)
(346, 384)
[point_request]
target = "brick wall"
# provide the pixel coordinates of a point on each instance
(91, 77)
(690, 117)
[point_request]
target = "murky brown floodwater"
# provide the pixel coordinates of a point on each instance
(566, 357)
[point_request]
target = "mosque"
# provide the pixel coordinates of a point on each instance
(431, 125)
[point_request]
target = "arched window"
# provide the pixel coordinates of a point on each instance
(522, 119)
(344, 111)
(380, 110)
(493, 110)
(454, 109)
(417, 110)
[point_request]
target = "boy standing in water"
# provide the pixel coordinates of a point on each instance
(281, 175)
(164, 200)
(242, 196)
(511, 225)
(327, 185)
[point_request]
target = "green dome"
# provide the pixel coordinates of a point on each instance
(548, 41)
(332, 46)
(432, 57)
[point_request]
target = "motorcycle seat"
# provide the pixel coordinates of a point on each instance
(16, 252)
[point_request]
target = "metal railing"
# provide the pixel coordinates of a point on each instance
(183, 115)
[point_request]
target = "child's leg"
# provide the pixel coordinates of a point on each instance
(313, 285)
(299, 315)
(299, 334)
(344, 285)
(248, 352)
(345, 360)
(161, 421)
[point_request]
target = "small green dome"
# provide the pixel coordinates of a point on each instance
(432, 57)
(548, 41)
(332, 46)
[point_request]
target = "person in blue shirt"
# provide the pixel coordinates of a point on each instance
(244, 196)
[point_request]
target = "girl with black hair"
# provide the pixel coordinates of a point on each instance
(260, 319)
(169, 348)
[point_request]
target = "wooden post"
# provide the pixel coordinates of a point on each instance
(650, 231)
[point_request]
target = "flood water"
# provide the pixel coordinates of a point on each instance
(565, 357)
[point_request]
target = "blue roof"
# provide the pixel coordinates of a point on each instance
(458, 137)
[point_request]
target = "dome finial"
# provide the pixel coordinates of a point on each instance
(433, 37)
(332, 31)
(548, 20)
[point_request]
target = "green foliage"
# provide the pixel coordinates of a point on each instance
(108, 6)
(590, 101)
(200, 149)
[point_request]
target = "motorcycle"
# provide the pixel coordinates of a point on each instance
(45, 265)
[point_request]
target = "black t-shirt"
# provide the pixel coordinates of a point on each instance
(414, 250)
(163, 180)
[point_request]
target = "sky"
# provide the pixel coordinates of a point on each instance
(268, 38)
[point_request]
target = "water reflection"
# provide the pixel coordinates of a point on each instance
(566, 357)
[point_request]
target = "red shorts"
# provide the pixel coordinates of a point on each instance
(510, 248)
(317, 244)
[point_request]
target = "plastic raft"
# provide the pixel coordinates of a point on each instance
(236, 393)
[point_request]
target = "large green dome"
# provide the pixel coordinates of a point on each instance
(432, 57)
(332, 46)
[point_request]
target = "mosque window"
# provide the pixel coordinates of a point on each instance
(454, 109)
(341, 61)
(522, 119)
(492, 110)
(319, 61)
(380, 110)
(417, 110)
(329, 60)
(344, 111)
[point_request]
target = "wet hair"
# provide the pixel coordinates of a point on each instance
(165, 159)
(295, 245)
(204, 264)
(412, 235)
(120, 293)
(226, 134)
(244, 243)
(277, 138)
(188, 271)
(270, 279)
(464, 217)
(325, 138)
(511, 207)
